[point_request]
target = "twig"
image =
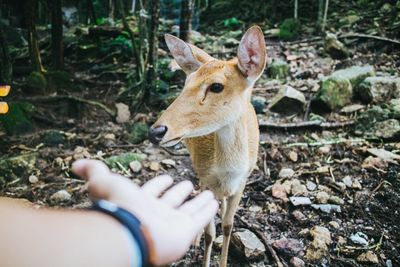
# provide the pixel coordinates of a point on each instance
(367, 36)
(70, 97)
(328, 142)
(306, 124)
(264, 241)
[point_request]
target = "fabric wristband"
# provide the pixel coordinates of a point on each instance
(132, 224)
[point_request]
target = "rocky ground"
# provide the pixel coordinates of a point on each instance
(326, 191)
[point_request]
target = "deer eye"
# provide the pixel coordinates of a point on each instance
(216, 87)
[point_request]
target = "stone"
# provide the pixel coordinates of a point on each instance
(299, 216)
(356, 184)
(374, 163)
(155, 166)
(135, 166)
(323, 150)
(378, 89)
(53, 138)
(334, 47)
(352, 108)
(319, 246)
(297, 262)
(124, 159)
(347, 180)
(355, 74)
(258, 103)
(288, 247)
(334, 225)
(278, 191)
(297, 201)
(138, 132)
(298, 189)
(286, 173)
(123, 113)
(336, 200)
(327, 208)
(248, 245)
(388, 129)
(278, 69)
(359, 238)
(293, 156)
(33, 179)
(384, 154)
(288, 101)
(394, 107)
(168, 162)
(368, 257)
(322, 197)
(367, 120)
(311, 185)
(61, 196)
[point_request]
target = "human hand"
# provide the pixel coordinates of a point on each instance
(172, 223)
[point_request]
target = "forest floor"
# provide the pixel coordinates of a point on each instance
(322, 160)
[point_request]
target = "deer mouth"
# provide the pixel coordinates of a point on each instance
(171, 142)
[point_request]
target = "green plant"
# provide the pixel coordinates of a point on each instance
(289, 29)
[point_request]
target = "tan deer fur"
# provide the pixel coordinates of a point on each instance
(220, 130)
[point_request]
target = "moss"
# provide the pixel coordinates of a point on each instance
(138, 133)
(16, 121)
(123, 159)
(278, 69)
(36, 83)
(334, 93)
(355, 74)
(289, 29)
(367, 120)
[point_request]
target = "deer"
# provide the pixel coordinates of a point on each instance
(214, 118)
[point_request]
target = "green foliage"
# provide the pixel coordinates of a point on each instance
(289, 29)
(36, 82)
(123, 159)
(232, 23)
(16, 121)
(138, 133)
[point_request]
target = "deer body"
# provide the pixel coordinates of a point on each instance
(215, 119)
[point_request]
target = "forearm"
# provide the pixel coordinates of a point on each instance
(61, 238)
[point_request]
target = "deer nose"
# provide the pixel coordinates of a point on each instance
(157, 133)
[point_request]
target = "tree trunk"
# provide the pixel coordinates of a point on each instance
(30, 14)
(153, 47)
(57, 47)
(111, 9)
(320, 12)
(186, 20)
(5, 62)
(296, 7)
(325, 15)
(90, 9)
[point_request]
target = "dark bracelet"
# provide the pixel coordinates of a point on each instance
(132, 224)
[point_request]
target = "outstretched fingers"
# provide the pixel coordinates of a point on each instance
(175, 196)
(192, 206)
(156, 186)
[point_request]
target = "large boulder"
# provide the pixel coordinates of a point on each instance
(355, 74)
(378, 89)
(287, 101)
(278, 69)
(335, 48)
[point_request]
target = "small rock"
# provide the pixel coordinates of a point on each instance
(168, 162)
(135, 166)
(286, 173)
(327, 208)
(347, 180)
(298, 189)
(123, 113)
(341, 185)
(33, 179)
(288, 101)
(388, 129)
(389, 263)
(297, 201)
(359, 238)
(278, 69)
(368, 257)
(293, 156)
(384, 154)
(288, 247)
(299, 216)
(356, 184)
(352, 108)
(374, 163)
(219, 241)
(334, 224)
(255, 209)
(311, 185)
(319, 245)
(323, 150)
(335, 48)
(109, 136)
(248, 245)
(336, 200)
(61, 196)
(378, 89)
(278, 191)
(322, 197)
(297, 262)
(155, 166)
(258, 103)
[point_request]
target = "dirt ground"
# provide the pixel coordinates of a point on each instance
(321, 156)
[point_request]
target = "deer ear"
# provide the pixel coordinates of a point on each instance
(182, 54)
(252, 54)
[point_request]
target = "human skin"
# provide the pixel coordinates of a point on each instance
(49, 237)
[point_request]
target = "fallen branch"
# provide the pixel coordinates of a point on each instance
(367, 36)
(264, 240)
(263, 125)
(326, 142)
(72, 98)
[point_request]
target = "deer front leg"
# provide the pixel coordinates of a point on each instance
(209, 237)
(232, 203)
